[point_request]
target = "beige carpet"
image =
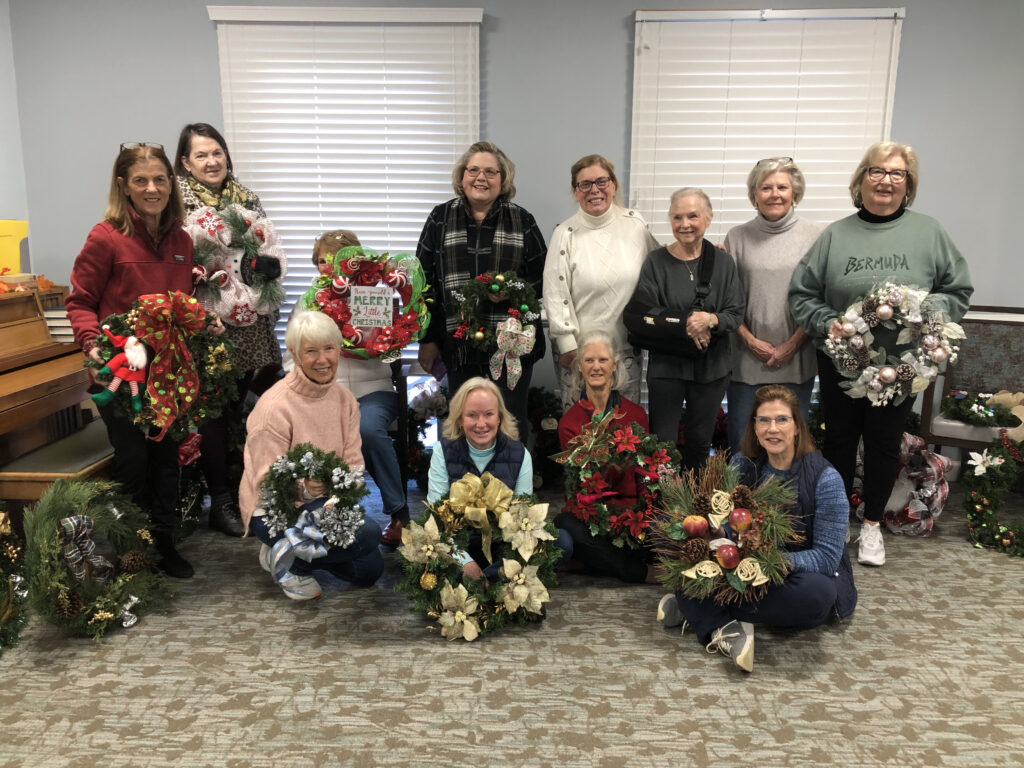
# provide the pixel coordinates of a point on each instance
(927, 672)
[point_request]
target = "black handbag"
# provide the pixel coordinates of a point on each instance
(658, 329)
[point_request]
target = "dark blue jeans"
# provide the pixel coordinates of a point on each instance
(802, 601)
(376, 412)
(360, 562)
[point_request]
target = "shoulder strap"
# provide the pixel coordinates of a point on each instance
(707, 266)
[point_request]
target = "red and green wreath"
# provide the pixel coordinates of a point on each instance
(355, 266)
(606, 459)
(503, 287)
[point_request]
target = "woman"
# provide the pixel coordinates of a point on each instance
(479, 231)
(480, 436)
(591, 270)
(206, 178)
(597, 378)
(308, 406)
(772, 348)
(669, 283)
(138, 248)
(778, 443)
(883, 241)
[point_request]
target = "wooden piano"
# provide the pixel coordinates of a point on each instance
(44, 431)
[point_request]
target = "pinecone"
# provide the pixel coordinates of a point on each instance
(133, 561)
(851, 363)
(69, 605)
(870, 318)
(868, 305)
(742, 497)
(694, 550)
(701, 504)
(751, 543)
(905, 372)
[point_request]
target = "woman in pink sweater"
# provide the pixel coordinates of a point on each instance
(308, 406)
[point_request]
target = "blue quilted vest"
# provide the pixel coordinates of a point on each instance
(504, 465)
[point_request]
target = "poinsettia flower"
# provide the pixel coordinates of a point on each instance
(982, 461)
(656, 459)
(588, 499)
(594, 484)
(624, 440)
(524, 589)
(522, 526)
(581, 510)
(422, 543)
(456, 619)
(633, 521)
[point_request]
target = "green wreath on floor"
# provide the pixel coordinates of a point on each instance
(986, 479)
(88, 559)
(13, 588)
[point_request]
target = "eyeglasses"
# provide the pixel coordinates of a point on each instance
(768, 160)
(140, 145)
(602, 183)
(490, 173)
(898, 175)
(767, 421)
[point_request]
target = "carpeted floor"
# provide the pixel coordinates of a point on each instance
(926, 672)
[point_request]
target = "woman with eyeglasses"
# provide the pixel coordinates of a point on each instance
(138, 248)
(882, 242)
(771, 346)
(478, 231)
(778, 443)
(593, 263)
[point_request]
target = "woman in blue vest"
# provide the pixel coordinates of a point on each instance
(480, 435)
(820, 583)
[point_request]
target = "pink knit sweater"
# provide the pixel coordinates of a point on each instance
(297, 410)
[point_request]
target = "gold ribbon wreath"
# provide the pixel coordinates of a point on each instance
(474, 496)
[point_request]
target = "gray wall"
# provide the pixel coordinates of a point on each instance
(556, 79)
(13, 197)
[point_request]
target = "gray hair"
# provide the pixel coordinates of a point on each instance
(595, 337)
(691, 192)
(310, 328)
(766, 168)
(882, 150)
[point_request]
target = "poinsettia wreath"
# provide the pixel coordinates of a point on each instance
(240, 264)
(883, 378)
(514, 532)
(595, 462)
(189, 377)
(717, 538)
(89, 559)
(13, 587)
(996, 470)
(359, 267)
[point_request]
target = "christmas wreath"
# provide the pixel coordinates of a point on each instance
(88, 559)
(598, 460)
(983, 410)
(358, 295)
(883, 378)
(717, 538)
(186, 376)
(514, 533)
(240, 264)
(997, 469)
(13, 588)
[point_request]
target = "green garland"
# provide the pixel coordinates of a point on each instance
(506, 287)
(95, 604)
(994, 472)
(958, 405)
(522, 541)
(13, 587)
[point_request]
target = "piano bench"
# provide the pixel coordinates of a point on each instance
(82, 454)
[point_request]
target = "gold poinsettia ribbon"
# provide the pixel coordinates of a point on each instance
(475, 496)
(749, 570)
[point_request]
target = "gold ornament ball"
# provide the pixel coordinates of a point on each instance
(428, 581)
(500, 278)
(479, 335)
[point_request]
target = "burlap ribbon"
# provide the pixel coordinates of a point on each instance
(166, 321)
(474, 496)
(305, 540)
(79, 548)
(514, 341)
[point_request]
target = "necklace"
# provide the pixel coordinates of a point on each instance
(686, 263)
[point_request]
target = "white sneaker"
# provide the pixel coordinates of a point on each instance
(300, 587)
(265, 557)
(736, 640)
(669, 614)
(870, 547)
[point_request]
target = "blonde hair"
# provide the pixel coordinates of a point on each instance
(507, 168)
(882, 150)
(118, 202)
(453, 424)
(332, 242)
(766, 168)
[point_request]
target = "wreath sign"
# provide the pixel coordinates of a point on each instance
(996, 469)
(883, 378)
(358, 295)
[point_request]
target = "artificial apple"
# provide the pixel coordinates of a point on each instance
(740, 520)
(728, 556)
(695, 526)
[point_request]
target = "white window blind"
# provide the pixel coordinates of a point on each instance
(714, 92)
(347, 118)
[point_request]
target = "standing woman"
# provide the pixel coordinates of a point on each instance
(772, 347)
(883, 241)
(138, 248)
(206, 178)
(479, 231)
(592, 267)
(661, 306)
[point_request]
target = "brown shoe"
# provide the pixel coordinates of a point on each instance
(392, 536)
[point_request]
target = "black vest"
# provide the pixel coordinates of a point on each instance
(504, 465)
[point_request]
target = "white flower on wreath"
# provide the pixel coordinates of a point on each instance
(524, 588)
(422, 543)
(456, 620)
(522, 526)
(982, 461)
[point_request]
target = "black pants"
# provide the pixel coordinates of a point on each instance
(703, 401)
(214, 452)
(515, 399)
(847, 420)
(147, 469)
(599, 555)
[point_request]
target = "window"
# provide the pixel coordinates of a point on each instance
(714, 92)
(347, 118)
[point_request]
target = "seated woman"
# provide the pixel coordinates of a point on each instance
(820, 583)
(308, 406)
(480, 435)
(598, 373)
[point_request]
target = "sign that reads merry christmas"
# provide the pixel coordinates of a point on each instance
(371, 306)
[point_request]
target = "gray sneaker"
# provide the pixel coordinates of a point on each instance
(871, 545)
(300, 587)
(735, 639)
(265, 557)
(669, 614)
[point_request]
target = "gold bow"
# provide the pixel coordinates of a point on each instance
(474, 497)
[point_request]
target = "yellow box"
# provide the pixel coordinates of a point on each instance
(12, 232)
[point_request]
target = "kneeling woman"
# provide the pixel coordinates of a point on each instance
(308, 406)
(480, 435)
(598, 373)
(820, 583)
